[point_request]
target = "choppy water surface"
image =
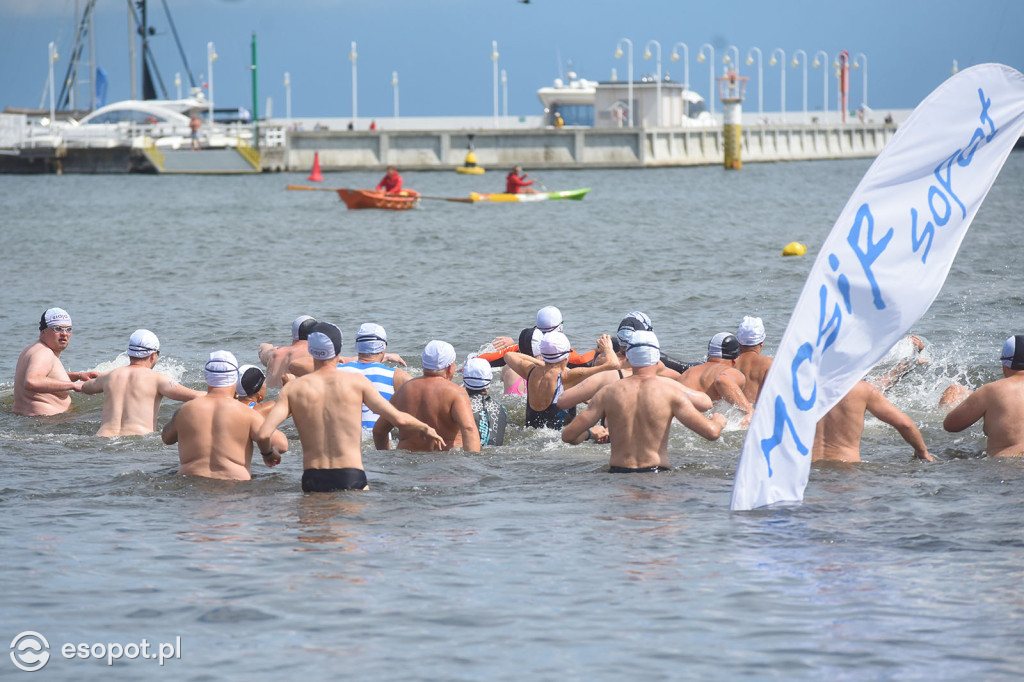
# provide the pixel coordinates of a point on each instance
(526, 561)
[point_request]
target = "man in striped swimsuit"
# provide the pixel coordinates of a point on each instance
(371, 344)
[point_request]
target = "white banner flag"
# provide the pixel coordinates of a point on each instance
(880, 269)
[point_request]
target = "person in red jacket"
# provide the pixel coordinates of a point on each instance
(391, 183)
(516, 183)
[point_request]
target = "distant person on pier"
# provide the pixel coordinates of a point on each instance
(351, 126)
(194, 125)
(391, 183)
(516, 182)
(373, 125)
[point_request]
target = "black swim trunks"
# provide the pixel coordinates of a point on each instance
(329, 480)
(639, 470)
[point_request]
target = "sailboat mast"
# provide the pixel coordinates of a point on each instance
(131, 49)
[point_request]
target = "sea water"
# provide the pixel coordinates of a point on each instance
(526, 561)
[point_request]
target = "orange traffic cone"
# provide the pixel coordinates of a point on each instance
(315, 176)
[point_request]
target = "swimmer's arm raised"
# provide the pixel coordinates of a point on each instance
(521, 364)
(396, 358)
(573, 376)
(266, 352)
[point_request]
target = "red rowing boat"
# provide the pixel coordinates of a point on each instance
(368, 198)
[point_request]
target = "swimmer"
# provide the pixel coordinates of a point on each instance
(639, 411)
(132, 394)
(251, 389)
(490, 415)
(549, 319)
(215, 432)
(586, 389)
(41, 384)
(284, 359)
(371, 346)
(326, 406)
(754, 366)
(838, 433)
(1000, 404)
(548, 377)
(638, 320)
(718, 377)
(435, 400)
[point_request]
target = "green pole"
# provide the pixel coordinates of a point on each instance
(255, 98)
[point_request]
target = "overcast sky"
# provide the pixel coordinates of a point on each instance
(441, 49)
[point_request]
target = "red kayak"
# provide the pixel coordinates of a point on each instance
(368, 198)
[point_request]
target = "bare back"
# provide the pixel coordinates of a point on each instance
(837, 437)
(279, 361)
(215, 434)
(38, 360)
(638, 411)
(326, 406)
(1001, 405)
(132, 398)
(754, 367)
(438, 402)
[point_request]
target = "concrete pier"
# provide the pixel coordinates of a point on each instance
(548, 148)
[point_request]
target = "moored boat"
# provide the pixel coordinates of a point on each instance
(369, 198)
(576, 194)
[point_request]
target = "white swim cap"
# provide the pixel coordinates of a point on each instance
(549, 319)
(643, 349)
(54, 317)
(554, 347)
(301, 327)
(750, 331)
(630, 323)
(324, 341)
(476, 374)
(1013, 352)
(438, 355)
(250, 381)
(724, 345)
(371, 339)
(221, 369)
(143, 343)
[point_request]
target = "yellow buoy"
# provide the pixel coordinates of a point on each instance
(470, 166)
(794, 249)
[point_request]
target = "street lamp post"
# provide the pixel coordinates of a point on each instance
(857, 59)
(288, 97)
(504, 94)
(686, 71)
(782, 74)
(760, 78)
(211, 57)
(494, 58)
(53, 97)
(353, 56)
(734, 59)
(796, 62)
(394, 84)
(711, 82)
(824, 80)
(647, 55)
(629, 70)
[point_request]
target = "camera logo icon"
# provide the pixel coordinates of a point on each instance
(30, 651)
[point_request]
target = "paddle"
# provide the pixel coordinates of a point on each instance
(311, 189)
(460, 200)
